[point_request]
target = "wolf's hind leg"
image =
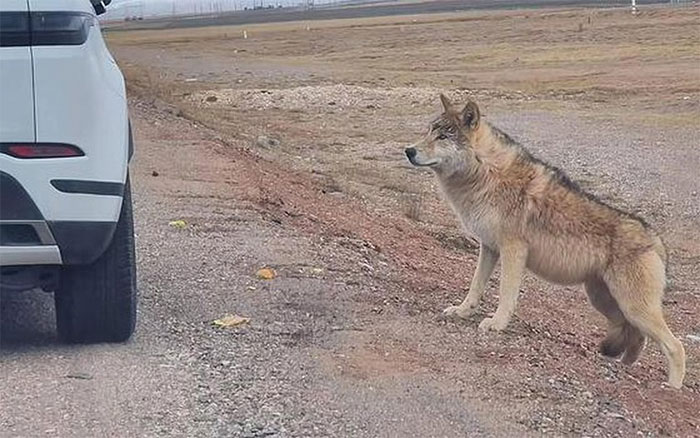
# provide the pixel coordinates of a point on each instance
(622, 337)
(636, 341)
(484, 269)
(637, 286)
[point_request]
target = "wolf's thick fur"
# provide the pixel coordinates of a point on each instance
(530, 215)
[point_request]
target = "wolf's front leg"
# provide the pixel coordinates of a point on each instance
(484, 269)
(513, 261)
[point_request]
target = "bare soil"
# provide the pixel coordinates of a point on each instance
(285, 149)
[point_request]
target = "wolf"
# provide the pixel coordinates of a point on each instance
(530, 215)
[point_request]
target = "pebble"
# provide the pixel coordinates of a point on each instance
(695, 338)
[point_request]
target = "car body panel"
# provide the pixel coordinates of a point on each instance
(16, 86)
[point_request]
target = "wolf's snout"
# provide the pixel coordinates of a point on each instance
(411, 153)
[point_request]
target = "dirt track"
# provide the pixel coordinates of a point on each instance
(346, 340)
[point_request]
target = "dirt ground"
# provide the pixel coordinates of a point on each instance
(285, 149)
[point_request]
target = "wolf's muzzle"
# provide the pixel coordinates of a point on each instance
(411, 154)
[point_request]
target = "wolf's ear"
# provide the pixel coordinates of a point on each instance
(446, 104)
(471, 115)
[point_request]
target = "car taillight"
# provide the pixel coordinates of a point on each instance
(60, 28)
(45, 28)
(41, 150)
(14, 29)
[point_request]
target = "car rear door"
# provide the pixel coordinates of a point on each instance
(79, 91)
(17, 122)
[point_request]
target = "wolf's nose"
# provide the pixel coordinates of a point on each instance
(411, 153)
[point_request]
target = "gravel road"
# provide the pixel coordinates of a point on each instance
(302, 367)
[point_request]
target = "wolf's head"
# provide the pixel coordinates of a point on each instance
(447, 146)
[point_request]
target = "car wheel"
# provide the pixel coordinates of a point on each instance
(97, 302)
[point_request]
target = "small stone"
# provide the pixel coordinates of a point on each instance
(616, 415)
(155, 173)
(266, 142)
(211, 99)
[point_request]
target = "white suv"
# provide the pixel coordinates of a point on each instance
(65, 144)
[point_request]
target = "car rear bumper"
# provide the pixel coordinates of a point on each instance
(30, 255)
(81, 243)
(28, 238)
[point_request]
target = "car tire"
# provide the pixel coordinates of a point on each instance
(97, 302)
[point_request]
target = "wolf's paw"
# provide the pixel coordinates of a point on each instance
(457, 312)
(492, 324)
(612, 346)
(678, 384)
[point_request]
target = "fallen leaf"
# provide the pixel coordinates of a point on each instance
(231, 321)
(178, 224)
(266, 274)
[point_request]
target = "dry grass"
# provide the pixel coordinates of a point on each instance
(531, 51)
(174, 36)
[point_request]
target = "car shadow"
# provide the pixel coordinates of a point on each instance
(27, 320)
